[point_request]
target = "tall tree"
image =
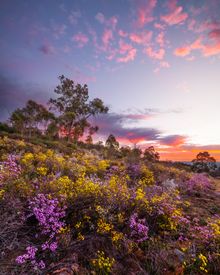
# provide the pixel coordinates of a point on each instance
(74, 108)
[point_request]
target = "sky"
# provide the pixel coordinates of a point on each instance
(155, 63)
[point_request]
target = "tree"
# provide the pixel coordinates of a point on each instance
(112, 143)
(74, 107)
(92, 131)
(151, 155)
(33, 117)
(125, 151)
(203, 163)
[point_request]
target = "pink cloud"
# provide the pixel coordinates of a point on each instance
(159, 26)
(210, 50)
(106, 38)
(141, 38)
(161, 39)
(176, 14)
(145, 12)
(81, 39)
(127, 50)
(129, 57)
(122, 33)
(111, 22)
(155, 54)
(124, 47)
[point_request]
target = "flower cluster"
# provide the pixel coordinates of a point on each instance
(198, 182)
(31, 255)
(102, 264)
(139, 228)
(9, 168)
(48, 213)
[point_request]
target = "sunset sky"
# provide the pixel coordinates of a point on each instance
(155, 63)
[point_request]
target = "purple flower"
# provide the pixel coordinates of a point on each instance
(53, 246)
(139, 229)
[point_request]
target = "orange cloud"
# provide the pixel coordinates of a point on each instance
(206, 49)
(183, 51)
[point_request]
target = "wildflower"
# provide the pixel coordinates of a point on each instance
(139, 229)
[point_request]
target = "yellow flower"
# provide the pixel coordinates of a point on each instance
(80, 237)
(104, 227)
(27, 158)
(42, 171)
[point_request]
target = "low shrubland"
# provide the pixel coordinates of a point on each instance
(77, 212)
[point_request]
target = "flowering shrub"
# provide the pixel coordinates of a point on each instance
(198, 182)
(102, 264)
(81, 202)
(139, 230)
(9, 168)
(49, 214)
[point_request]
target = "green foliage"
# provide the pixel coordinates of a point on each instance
(74, 107)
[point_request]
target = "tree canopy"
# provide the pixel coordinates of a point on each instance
(74, 107)
(203, 162)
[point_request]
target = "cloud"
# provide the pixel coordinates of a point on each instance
(160, 39)
(145, 12)
(110, 22)
(176, 14)
(159, 54)
(106, 38)
(128, 51)
(122, 33)
(14, 95)
(173, 140)
(114, 123)
(141, 38)
(129, 57)
(207, 49)
(81, 39)
(182, 51)
(47, 49)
